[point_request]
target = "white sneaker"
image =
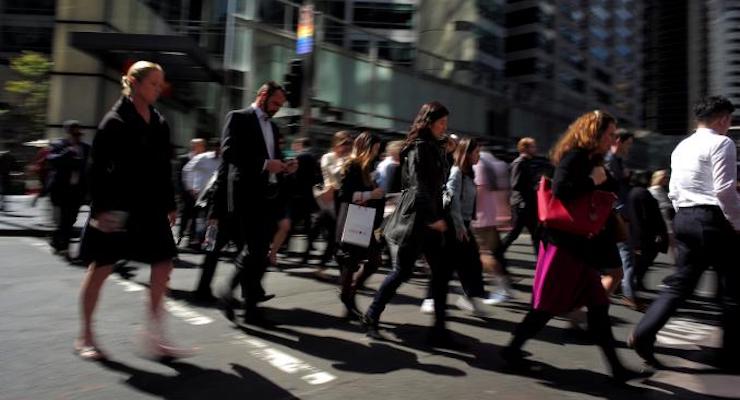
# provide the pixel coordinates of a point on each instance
(497, 297)
(427, 306)
(472, 305)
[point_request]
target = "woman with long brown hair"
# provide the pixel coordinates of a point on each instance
(567, 272)
(418, 224)
(358, 187)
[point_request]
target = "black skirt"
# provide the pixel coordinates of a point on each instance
(148, 239)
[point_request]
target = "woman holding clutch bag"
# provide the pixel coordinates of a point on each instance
(417, 225)
(357, 187)
(133, 204)
(567, 274)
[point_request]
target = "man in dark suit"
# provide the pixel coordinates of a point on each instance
(523, 197)
(68, 184)
(254, 162)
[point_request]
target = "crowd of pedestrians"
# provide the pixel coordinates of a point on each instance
(431, 198)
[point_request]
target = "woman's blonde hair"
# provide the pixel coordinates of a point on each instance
(362, 150)
(136, 72)
(584, 133)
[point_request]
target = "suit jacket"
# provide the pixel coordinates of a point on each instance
(244, 185)
(646, 221)
(523, 184)
(64, 164)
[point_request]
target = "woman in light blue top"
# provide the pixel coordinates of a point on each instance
(462, 255)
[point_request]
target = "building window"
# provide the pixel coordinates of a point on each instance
(384, 15)
(33, 7)
(603, 97)
(491, 45)
(491, 11)
(602, 76)
(569, 80)
(525, 16)
(19, 38)
(526, 41)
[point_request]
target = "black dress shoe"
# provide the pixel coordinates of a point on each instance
(645, 351)
(265, 297)
(622, 374)
(371, 328)
(227, 306)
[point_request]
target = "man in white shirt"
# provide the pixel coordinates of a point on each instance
(707, 222)
(199, 170)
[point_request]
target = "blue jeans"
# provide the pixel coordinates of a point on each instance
(627, 253)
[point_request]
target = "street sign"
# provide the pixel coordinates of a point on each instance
(304, 44)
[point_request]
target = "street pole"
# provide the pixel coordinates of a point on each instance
(307, 17)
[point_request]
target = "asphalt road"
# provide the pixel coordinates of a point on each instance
(312, 353)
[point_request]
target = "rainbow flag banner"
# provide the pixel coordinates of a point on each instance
(304, 44)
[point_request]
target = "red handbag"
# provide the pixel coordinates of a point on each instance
(585, 215)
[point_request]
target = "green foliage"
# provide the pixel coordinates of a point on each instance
(26, 119)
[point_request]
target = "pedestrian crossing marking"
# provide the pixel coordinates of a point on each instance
(284, 361)
(681, 332)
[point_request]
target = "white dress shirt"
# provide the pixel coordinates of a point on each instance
(198, 171)
(704, 172)
(267, 133)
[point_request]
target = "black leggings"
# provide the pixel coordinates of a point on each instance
(599, 326)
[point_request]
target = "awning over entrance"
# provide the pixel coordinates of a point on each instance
(180, 57)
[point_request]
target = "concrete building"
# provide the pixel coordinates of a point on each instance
(571, 56)
(724, 50)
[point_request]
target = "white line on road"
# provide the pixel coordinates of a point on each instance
(283, 361)
(174, 307)
(683, 332)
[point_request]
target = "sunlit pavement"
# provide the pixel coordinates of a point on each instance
(311, 352)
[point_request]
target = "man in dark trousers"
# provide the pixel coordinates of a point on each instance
(707, 225)
(302, 203)
(68, 160)
(648, 234)
(251, 152)
(523, 197)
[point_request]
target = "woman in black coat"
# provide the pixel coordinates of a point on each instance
(133, 203)
(567, 274)
(358, 187)
(417, 225)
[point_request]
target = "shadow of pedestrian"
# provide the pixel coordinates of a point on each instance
(193, 382)
(352, 356)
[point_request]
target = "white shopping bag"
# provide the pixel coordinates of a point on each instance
(358, 225)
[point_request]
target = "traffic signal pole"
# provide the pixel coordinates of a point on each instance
(306, 21)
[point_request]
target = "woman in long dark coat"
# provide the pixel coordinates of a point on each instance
(567, 275)
(133, 204)
(418, 224)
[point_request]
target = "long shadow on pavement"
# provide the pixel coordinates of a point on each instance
(370, 358)
(194, 382)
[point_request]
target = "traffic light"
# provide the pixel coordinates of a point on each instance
(294, 82)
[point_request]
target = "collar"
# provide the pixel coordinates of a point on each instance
(260, 114)
(706, 130)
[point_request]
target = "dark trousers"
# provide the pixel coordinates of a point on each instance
(324, 222)
(599, 327)
(704, 238)
(255, 235)
(187, 216)
(67, 206)
(431, 244)
(643, 261)
(464, 259)
(226, 233)
(349, 259)
(521, 217)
